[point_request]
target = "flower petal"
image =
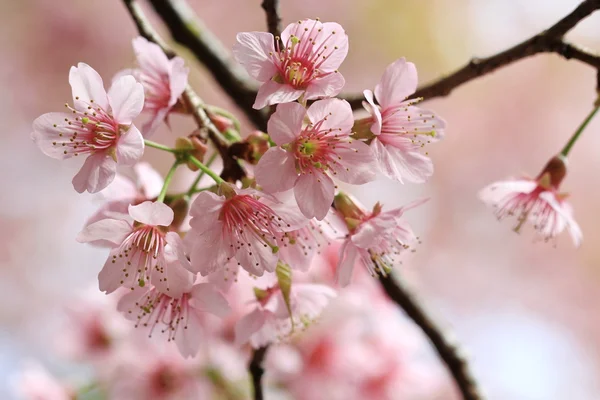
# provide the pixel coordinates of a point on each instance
(150, 56)
(205, 211)
(188, 340)
(149, 180)
(272, 92)
(374, 111)
(206, 297)
(248, 325)
(314, 194)
(130, 146)
(325, 86)
(126, 98)
(111, 276)
(276, 170)
(210, 250)
(97, 172)
(356, 164)
(256, 258)
(335, 113)
(253, 50)
(178, 78)
(49, 135)
(399, 81)
(285, 125)
(347, 260)
(87, 86)
(112, 230)
(152, 213)
(410, 165)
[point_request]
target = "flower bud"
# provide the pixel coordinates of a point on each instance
(220, 122)
(349, 210)
(198, 150)
(259, 144)
(553, 173)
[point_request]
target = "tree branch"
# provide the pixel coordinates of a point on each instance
(549, 41)
(232, 171)
(447, 351)
(271, 8)
(257, 371)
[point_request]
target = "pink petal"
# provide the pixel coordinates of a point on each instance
(374, 111)
(152, 213)
(564, 212)
(130, 147)
(97, 172)
(126, 98)
(44, 135)
(336, 37)
(284, 205)
(121, 188)
(112, 230)
(253, 50)
(111, 275)
(188, 340)
(129, 303)
(248, 325)
(149, 180)
(498, 191)
(357, 164)
(298, 257)
(285, 125)
(410, 165)
(205, 211)
(399, 81)
(272, 92)
(210, 251)
(86, 85)
(368, 234)
(385, 162)
(178, 79)
(174, 279)
(205, 297)
(314, 194)
(276, 170)
(325, 86)
(255, 258)
(154, 122)
(345, 267)
(150, 56)
(337, 114)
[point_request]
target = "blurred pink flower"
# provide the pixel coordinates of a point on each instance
(244, 224)
(306, 158)
(306, 65)
(537, 201)
(376, 239)
(271, 320)
(143, 250)
(34, 382)
(180, 316)
(164, 81)
(400, 128)
(99, 125)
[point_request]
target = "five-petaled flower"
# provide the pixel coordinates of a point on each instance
(306, 157)
(98, 125)
(537, 201)
(400, 129)
(144, 252)
(305, 64)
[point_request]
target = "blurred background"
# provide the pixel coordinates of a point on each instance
(526, 312)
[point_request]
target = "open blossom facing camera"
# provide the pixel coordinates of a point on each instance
(400, 129)
(164, 81)
(305, 64)
(98, 126)
(537, 201)
(376, 238)
(307, 157)
(144, 252)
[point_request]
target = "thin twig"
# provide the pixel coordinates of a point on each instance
(447, 351)
(256, 371)
(271, 8)
(549, 41)
(232, 171)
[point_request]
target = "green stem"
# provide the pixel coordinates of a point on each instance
(168, 178)
(584, 124)
(206, 170)
(192, 189)
(160, 146)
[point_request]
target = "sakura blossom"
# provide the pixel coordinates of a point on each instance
(164, 81)
(535, 201)
(397, 128)
(180, 316)
(307, 157)
(303, 65)
(273, 319)
(143, 251)
(99, 126)
(34, 382)
(241, 224)
(376, 239)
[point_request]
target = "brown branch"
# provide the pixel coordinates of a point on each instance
(256, 371)
(232, 171)
(188, 30)
(271, 8)
(549, 41)
(447, 351)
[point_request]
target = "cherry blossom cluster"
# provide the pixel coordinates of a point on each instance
(173, 258)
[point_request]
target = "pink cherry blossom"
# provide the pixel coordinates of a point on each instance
(306, 158)
(164, 81)
(180, 317)
(271, 320)
(143, 250)
(376, 240)
(400, 128)
(98, 125)
(34, 382)
(305, 65)
(244, 225)
(537, 201)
